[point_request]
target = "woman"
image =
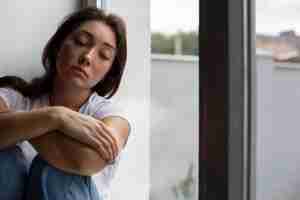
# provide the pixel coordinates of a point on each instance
(66, 115)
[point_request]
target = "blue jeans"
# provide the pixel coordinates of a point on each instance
(43, 182)
(13, 174)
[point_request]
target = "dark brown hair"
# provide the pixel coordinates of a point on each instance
(107, 87)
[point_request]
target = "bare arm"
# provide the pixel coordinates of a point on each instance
(64, 152)
(41, 127)
(18, 126)
(89, 161)
(36, 126)
(69, 155)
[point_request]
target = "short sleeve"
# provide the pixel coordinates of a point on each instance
(108, 108)
(13, 99)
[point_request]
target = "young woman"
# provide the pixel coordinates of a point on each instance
(66, 115)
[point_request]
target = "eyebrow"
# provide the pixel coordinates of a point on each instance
(90, 35)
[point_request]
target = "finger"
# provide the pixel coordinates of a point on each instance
(103, 153)
(102, 145)
(92, 142)
(102, 148)
(110, 134)
(103, 137)
(95, 132)
(97, 144)
(114, 140)
(111, 138)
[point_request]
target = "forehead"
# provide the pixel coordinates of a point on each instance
(99, 30)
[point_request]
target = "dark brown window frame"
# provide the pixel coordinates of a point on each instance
(227, 82)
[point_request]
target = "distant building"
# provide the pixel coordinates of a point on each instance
(284, 48)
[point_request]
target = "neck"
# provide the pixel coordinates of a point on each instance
(72, 98)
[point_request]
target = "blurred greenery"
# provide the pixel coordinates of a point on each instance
(164, 44)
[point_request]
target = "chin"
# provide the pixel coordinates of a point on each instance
(78, 83)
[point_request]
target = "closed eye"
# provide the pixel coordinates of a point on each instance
(104, 56)
(80, 42)
(82, 39)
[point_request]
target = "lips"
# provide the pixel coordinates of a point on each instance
(80, 70)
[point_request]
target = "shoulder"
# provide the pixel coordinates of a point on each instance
(9, 91)
(101, 107)
(13, 98)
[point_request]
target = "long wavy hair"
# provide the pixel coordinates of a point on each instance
(107, 87)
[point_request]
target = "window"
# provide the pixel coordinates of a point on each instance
(174, 32)
(278, 80)
(103, 4)
(174, 100)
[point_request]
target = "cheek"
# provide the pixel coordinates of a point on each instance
(99, 73)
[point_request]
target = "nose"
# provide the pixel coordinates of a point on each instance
(86, 57)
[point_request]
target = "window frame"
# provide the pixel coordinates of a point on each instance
(227, 105)
(104, 4)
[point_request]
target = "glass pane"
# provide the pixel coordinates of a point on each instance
(177, 31)
(174, 100)
(278, 97)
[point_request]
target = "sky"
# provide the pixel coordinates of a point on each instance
(169, 16)
(273, 16)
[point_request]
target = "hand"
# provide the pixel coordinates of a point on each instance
(89, 131)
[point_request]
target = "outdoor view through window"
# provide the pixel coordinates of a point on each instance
(174, 100)
(278, 99)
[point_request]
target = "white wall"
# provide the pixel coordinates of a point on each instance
(25, 28)
(278, 114)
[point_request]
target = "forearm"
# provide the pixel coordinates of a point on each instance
(68, 154)
(19, 126)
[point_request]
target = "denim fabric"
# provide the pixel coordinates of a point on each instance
(43, 182)
(49, 183)
(13, 174)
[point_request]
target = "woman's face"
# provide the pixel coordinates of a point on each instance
(86, 55)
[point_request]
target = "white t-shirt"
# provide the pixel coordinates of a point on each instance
(95, 106)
